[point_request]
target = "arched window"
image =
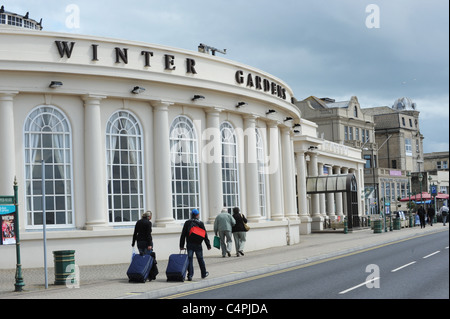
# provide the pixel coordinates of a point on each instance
(47, 137)
(261, 173)
(124, 155)
(185, 168)
(230, 173)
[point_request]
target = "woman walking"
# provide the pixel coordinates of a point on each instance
(239, 231)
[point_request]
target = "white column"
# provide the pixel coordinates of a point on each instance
(338, 196)
(322, 209)
(331, 210)
(315, 206)
(344, 194)
(276, 190)
(94, 162)
(251, 169)
(288, 174)
(7, 143)
(305, 225)
(213, 158)
(163, 176)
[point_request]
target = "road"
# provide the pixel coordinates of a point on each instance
(413, 268)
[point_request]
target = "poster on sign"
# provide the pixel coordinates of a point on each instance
(8, 236)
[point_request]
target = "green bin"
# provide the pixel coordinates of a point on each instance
(397, 224)
(377, 226)
(63, 259)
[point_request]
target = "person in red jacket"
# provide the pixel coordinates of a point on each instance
(194, 245)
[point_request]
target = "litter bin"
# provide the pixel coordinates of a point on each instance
(397, 224)
(377, 226)
(63, 259)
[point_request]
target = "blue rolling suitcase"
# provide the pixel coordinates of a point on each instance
(177, 267)
(139, 268)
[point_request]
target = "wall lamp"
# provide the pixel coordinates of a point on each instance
(270, 112)
(138, 90)
(198, 97)
(288, 119)
(240, 104)
(55, 84)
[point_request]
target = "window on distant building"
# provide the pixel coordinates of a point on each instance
(403, 121)
(442, 165)
(394, 163)
(408, 147)
(47, 137)
(368, 159)
(345, 133)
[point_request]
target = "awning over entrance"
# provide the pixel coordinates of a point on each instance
(330, 184)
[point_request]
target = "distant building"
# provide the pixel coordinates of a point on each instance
(436, 165)
(18, 21)
(389, 138)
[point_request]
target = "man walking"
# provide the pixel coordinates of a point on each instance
(194, 244)
(223, 226)
(421, 213)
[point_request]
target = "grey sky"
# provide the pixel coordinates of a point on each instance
(321, 48)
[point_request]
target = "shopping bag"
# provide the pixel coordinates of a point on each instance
(217, 242)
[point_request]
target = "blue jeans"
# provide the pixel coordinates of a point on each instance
(143, 248)
(197, 249)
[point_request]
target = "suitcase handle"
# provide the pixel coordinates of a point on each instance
(185, 250)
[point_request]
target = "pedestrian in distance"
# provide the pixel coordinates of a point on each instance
(431, 212)
(239, 231)
(223, 225)
(421, 213)
(444, 213)
(143, 234)
(194, 243)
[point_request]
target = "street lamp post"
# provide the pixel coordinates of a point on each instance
(19, 284)
(420, 180)
(409, 199)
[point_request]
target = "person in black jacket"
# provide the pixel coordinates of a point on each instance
(421, 213)
(143, 234)
(239, 231)
(194, 245)
(431, 212)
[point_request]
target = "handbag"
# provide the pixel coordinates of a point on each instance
(216, 242)
(247, 227)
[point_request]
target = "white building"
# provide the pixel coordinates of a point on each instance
(123, 127)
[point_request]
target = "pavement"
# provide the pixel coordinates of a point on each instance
(111, 282)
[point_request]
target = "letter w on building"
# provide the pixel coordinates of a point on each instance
(64, 48)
